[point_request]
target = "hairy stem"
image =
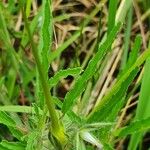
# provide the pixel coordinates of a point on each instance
(56, 127)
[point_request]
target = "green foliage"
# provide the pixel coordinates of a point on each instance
(63, 74)
(6, 119)
(143, 103)
(39, 112)
(32, 140)
(79, 86)
(127, 38)
(107, 99)
(12, 145)
(134, 127)
(112, 14)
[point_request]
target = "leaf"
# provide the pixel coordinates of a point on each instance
(90, 138)
(7, 42)
(6, 119)
(116, 101)
(79, 86)
(44, 48)
(28, 7)
(94, 116)
(12, 145)
(11, 82)
(46, 34)
(79, 143)
(114, 106)
(16, 133)
(15, 108)
(112, 14)
(122, 10)
(143, 102)
(119, 97)
(32, 139)
(3, 148)
(63, 74)
(127, 35)
(133, 55)
(134, 52)
(76, 119)
(134, 127)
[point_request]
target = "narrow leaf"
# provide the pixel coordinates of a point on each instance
(135, 127)
(63, 74)
(79, 86)
(32, 139)
(97, 110)
(13, 145)
(144, 102)
(15, 108)
(46, 33)
(112, 14)
(6, 119)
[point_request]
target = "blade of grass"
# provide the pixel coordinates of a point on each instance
(127, 38)
(134, 127)
(28, 7)
(12, 145)
(132, 58)
(6, 119)
(117, 100)
(15, 108)
(112, 14)
(133, 54)
(144, 102)
(6, 40)
(123, 10)
(94, 115)
(79, 86)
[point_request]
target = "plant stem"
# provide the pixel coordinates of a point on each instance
(56, 127)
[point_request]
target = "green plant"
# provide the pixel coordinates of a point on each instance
(90, 113)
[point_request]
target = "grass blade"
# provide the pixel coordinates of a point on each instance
(144, 102)
(127, 38)
(112, 14)
(122, 11)
(12, 145)
(117, 100)
(137, 126)
(6, 40)
(79, 86)
(94, 116)
(134, 52)
(15, 108)
(6, 119)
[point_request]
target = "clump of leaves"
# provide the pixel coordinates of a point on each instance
(53, 122)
